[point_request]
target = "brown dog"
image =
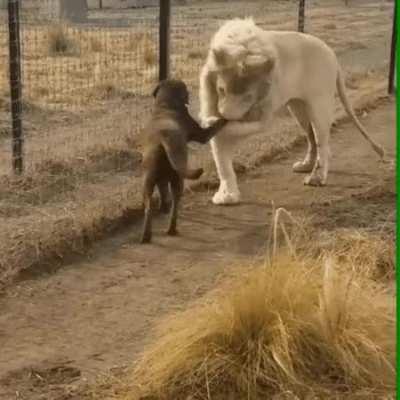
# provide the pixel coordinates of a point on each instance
(165, 155)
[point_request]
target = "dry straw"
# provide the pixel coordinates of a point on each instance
(292, 330)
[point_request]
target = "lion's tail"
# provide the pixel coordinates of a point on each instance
(341, 88)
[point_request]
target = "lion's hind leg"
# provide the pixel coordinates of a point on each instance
(322, 113)
(299, 111)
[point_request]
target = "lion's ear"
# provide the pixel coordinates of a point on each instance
(259, 63)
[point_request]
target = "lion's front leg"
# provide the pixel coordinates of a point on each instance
(223, 146)
(223, 152)
(208, 97)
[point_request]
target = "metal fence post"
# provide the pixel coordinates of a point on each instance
(164, 38)
(15, 86)
(301, 16)
(392, 67)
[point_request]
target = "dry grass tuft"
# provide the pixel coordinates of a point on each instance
(371, 254)
(292, 329)
(96, 45)
(149, 55)
(59, 43)
(367, 252)
(144, 44)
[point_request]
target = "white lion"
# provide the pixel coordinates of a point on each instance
(250, 74)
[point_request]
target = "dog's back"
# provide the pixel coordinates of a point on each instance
(166, 137)
(155, 157)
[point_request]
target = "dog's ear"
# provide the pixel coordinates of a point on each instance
(156, 89)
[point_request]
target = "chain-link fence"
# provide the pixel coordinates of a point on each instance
(87, 78)
(85, 85)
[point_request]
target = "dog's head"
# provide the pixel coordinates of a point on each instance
(172, 92)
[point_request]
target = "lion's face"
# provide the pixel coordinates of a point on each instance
(236, 94)
(241, 85)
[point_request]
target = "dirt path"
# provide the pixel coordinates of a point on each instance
(95, 314)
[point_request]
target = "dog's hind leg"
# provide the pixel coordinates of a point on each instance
(322, 113)
(177, 190)
(299, 111)
(148, 189)
(163, 190)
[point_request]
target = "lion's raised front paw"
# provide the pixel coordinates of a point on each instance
(223, 197)
(314, 180)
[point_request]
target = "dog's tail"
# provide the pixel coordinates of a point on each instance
(341, 88)
(176, 150)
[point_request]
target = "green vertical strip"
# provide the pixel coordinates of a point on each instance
(397, 197)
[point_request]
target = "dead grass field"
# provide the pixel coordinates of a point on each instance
(292, 330)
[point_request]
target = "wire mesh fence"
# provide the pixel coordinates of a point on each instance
(82, 81)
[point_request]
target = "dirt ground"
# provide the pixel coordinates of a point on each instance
(62, 330)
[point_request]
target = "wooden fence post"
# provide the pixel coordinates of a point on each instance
(15, 86)
(164, 39)
(392, 67)
(301, 15)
